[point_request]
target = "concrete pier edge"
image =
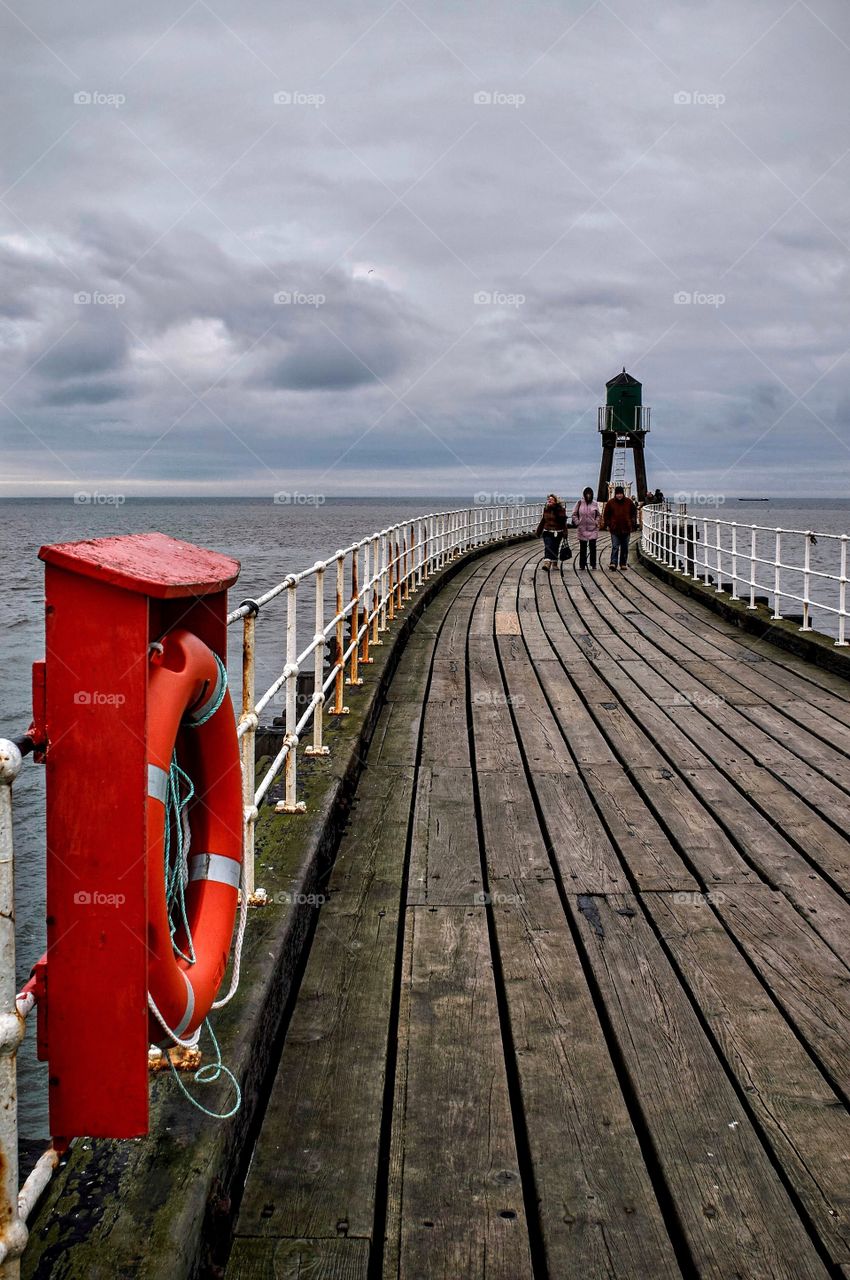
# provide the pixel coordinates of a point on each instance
(160, 1207)
(813, 646)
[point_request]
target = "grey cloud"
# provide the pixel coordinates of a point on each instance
(399, 198)
(89, 392)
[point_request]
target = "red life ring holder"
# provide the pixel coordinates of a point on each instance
(186, 683)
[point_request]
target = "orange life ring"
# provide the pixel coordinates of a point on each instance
(186, 683)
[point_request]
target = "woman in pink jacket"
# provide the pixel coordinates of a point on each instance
(585, 518)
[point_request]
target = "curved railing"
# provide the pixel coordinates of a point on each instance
(353, 597)
(798, 566)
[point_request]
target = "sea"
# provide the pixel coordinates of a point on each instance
(270, 541)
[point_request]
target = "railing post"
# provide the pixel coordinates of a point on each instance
(290, 802)
(842, 594)
(366, 622)
(13, 1232)
(399, 537)
(408, 559)
(318, 748)
(376, 590)
(385, 579)
(705, 550)
(669, 548)
(718, 586)
(752, 604)
(807, 581)
(247, 747)
(734, 560)
(338, 708)
(777, 581)
(354, 677)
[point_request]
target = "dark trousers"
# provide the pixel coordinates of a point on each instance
(619, 548)
(551, 542)
(585, 544)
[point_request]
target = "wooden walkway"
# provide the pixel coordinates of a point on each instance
(579, 1003)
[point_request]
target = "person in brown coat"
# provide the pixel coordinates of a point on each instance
(620, 520)
(553, 526)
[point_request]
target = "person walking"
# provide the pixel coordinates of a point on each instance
(620, 520)
(553, 526)
(585, 518)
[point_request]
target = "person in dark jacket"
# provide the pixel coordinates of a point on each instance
(585, 518)
(620, 520)
(553, 526)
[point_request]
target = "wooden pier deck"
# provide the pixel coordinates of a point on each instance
(578, 1004)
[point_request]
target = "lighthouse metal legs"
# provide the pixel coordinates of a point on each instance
(634, 442)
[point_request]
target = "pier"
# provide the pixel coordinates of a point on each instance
(570, 994)
(578, 1001)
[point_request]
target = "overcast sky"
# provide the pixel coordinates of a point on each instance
(172, 175)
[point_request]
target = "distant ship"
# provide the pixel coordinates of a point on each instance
(753, 499)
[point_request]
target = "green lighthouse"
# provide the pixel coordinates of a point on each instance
(623, 424)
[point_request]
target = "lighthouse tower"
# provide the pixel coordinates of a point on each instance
(623, 424)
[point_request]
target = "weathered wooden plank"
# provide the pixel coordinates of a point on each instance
(734, 1212)
(507, 623)
(508, 816)
(395, 741)
(803, 1119)
(448, 680)
(459, 1205)
(786, 808)
(587, 744)
(781, 734)
(580, 844)
(719, 726)
(691, 827)
(598, 1210)
(782, 665)
(368, 867)
(831, 760)
(537, 729)
(340, 1259)
(829, 800)
(637, 836)
(440, 728)
(495, 741)
(784, 670)
(631, 743)
(804, 976)
(445, 866)
(315, 1164)
(775, 860)
(629, 687)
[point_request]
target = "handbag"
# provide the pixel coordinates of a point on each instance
(565, 551)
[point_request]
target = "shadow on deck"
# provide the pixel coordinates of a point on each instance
(577, 1004)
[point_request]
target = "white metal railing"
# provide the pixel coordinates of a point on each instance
(607, 416)
(15, 1205)
(800, 566)
(369, 583)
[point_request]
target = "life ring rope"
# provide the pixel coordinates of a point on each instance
(183, 866)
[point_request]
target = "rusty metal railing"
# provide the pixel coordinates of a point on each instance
(373, 580)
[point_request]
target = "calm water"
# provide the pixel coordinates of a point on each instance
(270, 541)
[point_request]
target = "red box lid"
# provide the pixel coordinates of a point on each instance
(150, 564)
